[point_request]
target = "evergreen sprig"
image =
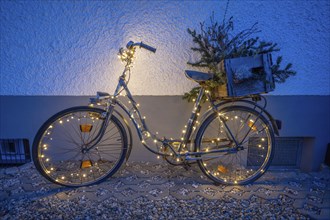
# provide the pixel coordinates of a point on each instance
(215, 43)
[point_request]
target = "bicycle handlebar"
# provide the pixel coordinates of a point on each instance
(131, 44)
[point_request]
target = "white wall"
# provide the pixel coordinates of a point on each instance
(69, 48)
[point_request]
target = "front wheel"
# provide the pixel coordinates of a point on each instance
(61, 150)
(244, 141)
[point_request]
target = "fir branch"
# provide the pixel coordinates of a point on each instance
(215, 43)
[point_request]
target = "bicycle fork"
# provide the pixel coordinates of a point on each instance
(106, 116)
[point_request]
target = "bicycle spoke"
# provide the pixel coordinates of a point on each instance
(61, 152)
(236, 125)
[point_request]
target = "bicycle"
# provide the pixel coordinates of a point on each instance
(232, 144)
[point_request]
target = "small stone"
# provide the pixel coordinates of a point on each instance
(195, 185)
(12, 171)
(3, 195)
(26, 167)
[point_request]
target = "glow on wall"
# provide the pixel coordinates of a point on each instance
(70, 48)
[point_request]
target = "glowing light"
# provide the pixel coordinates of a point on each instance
(61, 122)
(63, 177)
(47, 159)
(84, 175)
(158, 157)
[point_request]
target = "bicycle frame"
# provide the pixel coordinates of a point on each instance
(141, 126)
(144, 133)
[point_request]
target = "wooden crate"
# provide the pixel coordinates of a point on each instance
(246, 76)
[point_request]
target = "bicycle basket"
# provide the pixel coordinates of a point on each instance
(245, 76)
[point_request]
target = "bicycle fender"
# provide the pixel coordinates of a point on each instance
(275, 123)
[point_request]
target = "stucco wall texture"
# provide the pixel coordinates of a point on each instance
(70, 47)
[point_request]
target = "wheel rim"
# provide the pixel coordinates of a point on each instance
(63, 151)
(247, 135)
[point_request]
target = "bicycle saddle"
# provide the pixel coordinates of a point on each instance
(198, 76)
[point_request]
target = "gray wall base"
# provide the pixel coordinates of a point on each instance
(302, 116)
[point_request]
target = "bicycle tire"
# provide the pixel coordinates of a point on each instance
(253, 148)
(74, 127)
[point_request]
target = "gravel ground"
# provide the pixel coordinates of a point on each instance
(159, 191)
(142, 208)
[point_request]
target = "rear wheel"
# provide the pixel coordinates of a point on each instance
(61, 147)
(246, 141)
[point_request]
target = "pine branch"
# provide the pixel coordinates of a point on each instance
(215, 43)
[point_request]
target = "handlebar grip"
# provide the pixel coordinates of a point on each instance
(145, 46)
